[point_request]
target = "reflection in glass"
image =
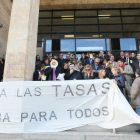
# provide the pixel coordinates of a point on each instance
(128, 44)
(85, 20)
(45, 14)
(63, 14)
(109, 20)
(67, 45)
(89, 28)
(131, 12)
(108, 13)
(131, 27)
(61, 29)
(48, 45)
(94, 35)
(111, 35)
(132, 34)
(63, 21)
(84, 13)
(90, 44)
(44, 22)
(44, 29)
(131, 19)
(110, 28)
(108, 43)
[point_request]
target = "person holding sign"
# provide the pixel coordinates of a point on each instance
(73, 74)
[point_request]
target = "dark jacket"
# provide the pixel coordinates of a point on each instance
(75, 75)
(120, 81)
(90, 77)
(88, 61)
(135, 65)
(35, 76)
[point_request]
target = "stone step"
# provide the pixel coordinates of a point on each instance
(72, 136)
(94, 128)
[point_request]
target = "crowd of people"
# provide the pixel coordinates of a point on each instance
(124, 69)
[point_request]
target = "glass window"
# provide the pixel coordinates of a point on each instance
(89, 28)
(61, 29)
(67, 45)
(64, 14)
(44, 22)
(111, 35)
(108, 13)
(40, 44)
(44, 29)
(85, 20)
(41, 36)
(90, 44)
(63, 21)
(110, 28)
(108, 43)
(128, 44)
(62, 35)
(131, 12)
(132, 34)
(48, 45)
(85, 13)
(45, 14)
(109, 20)
(131, 19)
(94, 35)
(131, 27)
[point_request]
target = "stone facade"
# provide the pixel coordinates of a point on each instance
(88, 4)
(5, 13)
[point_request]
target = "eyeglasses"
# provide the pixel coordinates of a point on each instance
(87, 69)
(96, 62)
(61, 55)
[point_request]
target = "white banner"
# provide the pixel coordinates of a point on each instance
(53, 106)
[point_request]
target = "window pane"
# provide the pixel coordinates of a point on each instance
(110, 28)
(94, 35)
(62, 35)
(45, 14)
(63, 14)
(128, 44)
(131, 12)
(89, 28)
(40, 44)
(67, 44)
(109, 20)
(44, 22)
(132, 34)
(84, 13)
(44, 29)
(131, 19)
(85, 20)
(48, 45)
(41, 36)
(131, 27)
(90, 44)
(61, 29)
(63, 21)
(111, 35)
(109, 13)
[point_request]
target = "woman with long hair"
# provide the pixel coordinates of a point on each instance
(88, 74)
(102, 74)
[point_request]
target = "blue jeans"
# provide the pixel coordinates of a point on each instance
(137, 111)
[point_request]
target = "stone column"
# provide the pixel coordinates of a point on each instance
(22, 39)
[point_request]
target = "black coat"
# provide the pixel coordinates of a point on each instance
(35, 76)
(90, 77)
(135, 65)
(88, 62)
(49, 73)
(75, 75)
(120, 81)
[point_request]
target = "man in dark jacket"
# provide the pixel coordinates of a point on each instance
(136, 63)
(73, 74)
(60, 62)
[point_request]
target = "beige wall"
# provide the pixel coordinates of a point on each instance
(87, 4)
(5, 12)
